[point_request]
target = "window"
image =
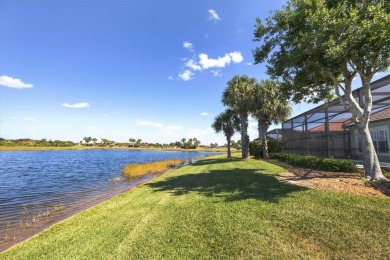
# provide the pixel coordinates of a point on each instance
(380, 138)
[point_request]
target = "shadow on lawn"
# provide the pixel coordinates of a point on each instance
(229, 185)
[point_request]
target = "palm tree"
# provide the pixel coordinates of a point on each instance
(238, 97)
(269, 107)
(228, 122)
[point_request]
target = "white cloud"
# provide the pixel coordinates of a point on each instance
(166, 131)
(76, 105)
(30, 119)
(248, 64)
(186, 75)
(220, 62)
(149, 123)
(13, 118)
(170, 78)
(216, 73)
(188, 46)
(13, 83)
(205, 114)
(197, 133)
(193, 65)
(214, 15)
(211, 63)
(236, 57)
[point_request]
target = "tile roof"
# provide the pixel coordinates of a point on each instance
(335, 125)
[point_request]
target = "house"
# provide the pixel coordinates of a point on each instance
(328, 130)
(379, 130)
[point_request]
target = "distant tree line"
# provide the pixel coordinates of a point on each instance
(35, 143)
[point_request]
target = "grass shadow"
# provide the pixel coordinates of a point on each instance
(229, 185)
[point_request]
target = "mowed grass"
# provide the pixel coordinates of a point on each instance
(140, 169)
(220, 208)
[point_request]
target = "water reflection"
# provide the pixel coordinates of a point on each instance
(37, 187)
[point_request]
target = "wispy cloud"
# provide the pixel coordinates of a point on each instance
(216, 73)
(188, 46)
(220, 62)
(167, 130)
(205, 114)
(186, 75)
(193, 65)
(13, 83)
(149, 123)
(214, 15)
(170, 78)
(76, 105)
(30, 119)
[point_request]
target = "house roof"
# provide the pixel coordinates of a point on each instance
(374, 117)
(383, 114)
(335, 125)
(380, 90)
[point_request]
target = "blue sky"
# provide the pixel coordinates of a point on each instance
(145, 69)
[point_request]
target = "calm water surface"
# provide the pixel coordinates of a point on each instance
(37, 185)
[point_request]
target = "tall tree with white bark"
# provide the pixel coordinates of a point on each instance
(317, 47)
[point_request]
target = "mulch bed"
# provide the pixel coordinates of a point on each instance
(352, 183)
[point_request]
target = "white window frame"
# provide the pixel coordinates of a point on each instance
(372, 129)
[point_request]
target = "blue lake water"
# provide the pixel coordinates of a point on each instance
(38, 185)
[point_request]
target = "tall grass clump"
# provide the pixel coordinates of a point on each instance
(140, 169)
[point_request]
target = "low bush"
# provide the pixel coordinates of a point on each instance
(256, 147)
(320, 163)
(140, 169)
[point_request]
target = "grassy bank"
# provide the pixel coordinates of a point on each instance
(220, 209)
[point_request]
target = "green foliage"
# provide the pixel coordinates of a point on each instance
(320, 163)
(35, 143)
(256, 147)
(191, 143)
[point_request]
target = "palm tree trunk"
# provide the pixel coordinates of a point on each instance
(229, 155)
(264, 130)
(244, 135)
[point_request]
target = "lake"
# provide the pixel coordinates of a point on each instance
(38, 188)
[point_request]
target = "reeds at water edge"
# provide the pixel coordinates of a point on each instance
(141, 169)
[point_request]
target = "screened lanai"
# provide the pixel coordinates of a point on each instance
(328, 131)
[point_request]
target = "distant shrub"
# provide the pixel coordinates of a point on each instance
(256, 147)
(320, 163)
(140, 169)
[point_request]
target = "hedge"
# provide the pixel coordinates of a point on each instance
(320, 163)
(256, 147)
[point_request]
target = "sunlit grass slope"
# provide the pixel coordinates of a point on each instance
(140, 169)
(220, 208)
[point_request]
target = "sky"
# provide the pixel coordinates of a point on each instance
(143, 69)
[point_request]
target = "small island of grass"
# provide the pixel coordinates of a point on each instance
(141, 169)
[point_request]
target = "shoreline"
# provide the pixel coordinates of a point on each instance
(57, 218)
(75, 148)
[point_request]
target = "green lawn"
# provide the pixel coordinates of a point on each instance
(220, 209)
